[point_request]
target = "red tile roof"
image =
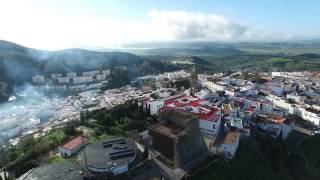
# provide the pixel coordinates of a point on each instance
(251, 109)
(207, 113)
(197, 103)
(76, 142)
(276, 119)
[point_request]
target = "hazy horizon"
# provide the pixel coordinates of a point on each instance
(54, 25)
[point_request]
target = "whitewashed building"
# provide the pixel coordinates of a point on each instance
(82, 79)
(71, 74)
(91, 73)
(286, 129)
(177, 74)
(106, 72)
(101, 77)
(38, 79)
(230, 144)
(64, 80)
(155, 105)
(73, 146)
(209, 114)
(55, 76)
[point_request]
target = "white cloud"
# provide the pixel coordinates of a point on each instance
(197, 26)
(49, 29)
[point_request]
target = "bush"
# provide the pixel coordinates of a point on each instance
(70, 128)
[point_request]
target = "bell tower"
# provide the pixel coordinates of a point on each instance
(194, 81)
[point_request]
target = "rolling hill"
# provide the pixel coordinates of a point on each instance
(18, 63)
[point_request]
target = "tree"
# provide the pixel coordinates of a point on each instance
(3, 91)
(118, 77)
(261, 93)
(148, 113)
(28, 142)
(70, 128)
(83, 116)
(13, 155)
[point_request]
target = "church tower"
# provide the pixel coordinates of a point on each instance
(194, 81)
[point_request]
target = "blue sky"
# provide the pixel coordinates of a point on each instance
(51, 24)
(279, 15)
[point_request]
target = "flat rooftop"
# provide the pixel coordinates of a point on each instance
(56, 171)
(193, 105)
(112, 153)
(169, 130)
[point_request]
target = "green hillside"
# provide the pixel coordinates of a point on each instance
(18, 64)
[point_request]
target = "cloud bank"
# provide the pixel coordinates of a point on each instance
(49, 29)
(183, 25)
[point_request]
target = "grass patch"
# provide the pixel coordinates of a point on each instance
(243, 167)
(284, 50)
(311, 151)
(56, 136)
(56, 159)
(101, 138)
(28, 154)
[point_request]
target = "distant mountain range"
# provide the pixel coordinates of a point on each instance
(19, 63)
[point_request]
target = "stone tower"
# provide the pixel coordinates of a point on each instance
(194, 81)
(178, 138)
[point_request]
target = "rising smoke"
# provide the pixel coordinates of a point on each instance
(31, 107)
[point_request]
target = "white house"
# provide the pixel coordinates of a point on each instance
(55, 76)
(232, 92)
(82, 79)
(266, 108)
(277, 89)
(203, 94)
(215, 86)
(209, 115)
(301, 112)
(211, 127)
(155, 105)
(38, 79)
(106, 72)
(250, 92)
(278, 101)
(91, 73)
(73, 146)
(63, 79)
(286, 129)
(101, 77)
(177, 74)
(230, 144)
(309, 116)
(72, 74)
